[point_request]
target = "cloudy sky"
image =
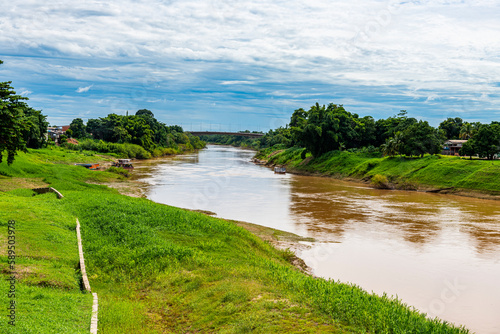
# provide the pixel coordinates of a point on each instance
(235, 65)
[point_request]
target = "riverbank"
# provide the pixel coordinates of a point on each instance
(158, 268)
(443, 174)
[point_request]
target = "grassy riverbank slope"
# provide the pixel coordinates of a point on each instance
(159, 269)
(464, 176)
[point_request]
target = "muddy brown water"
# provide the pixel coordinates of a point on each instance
(438, 253)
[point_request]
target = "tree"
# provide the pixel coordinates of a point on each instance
(387, 128)
(322, 129)
(316, 129)
(94, 128)
(17, 122)
(420, 138)
(160, 130)
(35, 133)
(451, 127)
(467, 149)
(78, 128)
(145, 112)
(393, 145)
(487, 141)
(466, 131)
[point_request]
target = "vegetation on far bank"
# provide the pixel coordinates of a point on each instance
(323, 129)
(400, 172)
(157, 268)
(136, 136)
(233, 140)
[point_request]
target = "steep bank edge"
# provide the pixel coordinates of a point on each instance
(362, 169)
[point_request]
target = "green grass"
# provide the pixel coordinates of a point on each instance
(48, 295)
(434, 171)
(162, 269)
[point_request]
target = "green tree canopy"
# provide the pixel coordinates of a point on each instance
(451, 127)
(78, 128)
(467, 149)
(486, 141)
(12, 126)
(421, 138)
(387, 128)
(142, 129)
(322, 129)
(20, 125)
(35, 133)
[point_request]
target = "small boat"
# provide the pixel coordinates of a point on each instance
(258, 162)
(91, 166)
(123, 163)
(280, 170)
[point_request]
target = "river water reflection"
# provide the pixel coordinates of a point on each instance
(439, 253)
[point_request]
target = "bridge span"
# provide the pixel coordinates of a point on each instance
(242, 134)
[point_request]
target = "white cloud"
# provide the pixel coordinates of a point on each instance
(236, 82)
(84, 89)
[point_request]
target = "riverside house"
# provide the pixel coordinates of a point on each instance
(55, 132)
(451, 147)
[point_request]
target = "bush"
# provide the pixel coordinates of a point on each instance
(126, 150)
(380, 181)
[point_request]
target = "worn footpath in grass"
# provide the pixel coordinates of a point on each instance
(160, 269)
(429, 172)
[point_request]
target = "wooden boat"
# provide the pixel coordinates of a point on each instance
(123, 163)
(280, 170)
(91, 166)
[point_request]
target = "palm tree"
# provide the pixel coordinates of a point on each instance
(398, 142)
(466, 131)
(389, 148)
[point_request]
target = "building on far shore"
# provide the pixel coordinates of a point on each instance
(54, 132)
(452, 146)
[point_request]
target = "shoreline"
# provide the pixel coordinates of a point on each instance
(422, 187)
(282, 240)
(279, 239)
(414, 187)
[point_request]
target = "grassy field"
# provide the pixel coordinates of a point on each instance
(430, 172)
(162, 269)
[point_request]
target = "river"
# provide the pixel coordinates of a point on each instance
(438, 253)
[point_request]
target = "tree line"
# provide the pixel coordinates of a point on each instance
(141, 129)
(326, 128)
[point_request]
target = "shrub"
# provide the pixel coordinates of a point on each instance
(380, 181)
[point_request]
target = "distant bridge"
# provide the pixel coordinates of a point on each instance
(243, 134)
